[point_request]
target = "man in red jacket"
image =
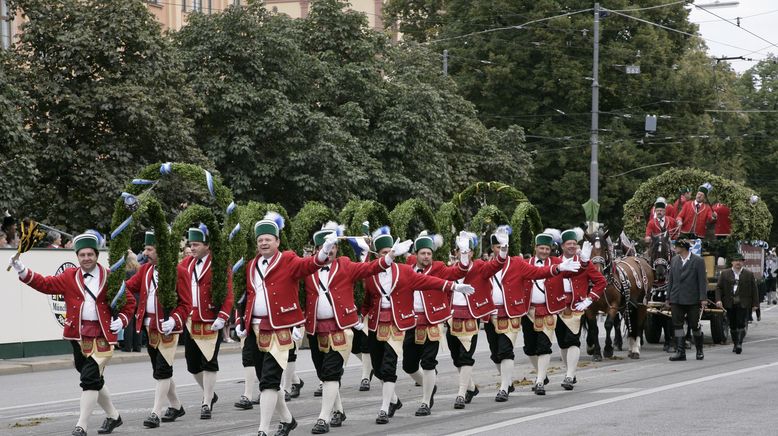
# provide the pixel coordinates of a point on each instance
(421, 344)
(162, 329)
(503, 327)
(659, 222)
(202, 345)
(89, 326)
(272, 314)
(330, 313)
(391, 314)
(697, 214)
(580, 290)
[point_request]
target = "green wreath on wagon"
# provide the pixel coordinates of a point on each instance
(749, 221)
(450, 222)
(409, 213)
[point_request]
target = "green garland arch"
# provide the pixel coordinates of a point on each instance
(308, 220)
(484, 222)
(450, 222)
(500, 188)
(192, 174)
(217, 239)
(150, 214)
(526, 223)
(749, 222)
(404, 215)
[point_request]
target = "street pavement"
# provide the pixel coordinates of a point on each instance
(723, 394)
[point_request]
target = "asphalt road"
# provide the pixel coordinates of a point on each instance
(723, 394)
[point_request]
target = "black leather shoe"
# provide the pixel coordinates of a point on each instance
(539, 389)
(511, 389)
(244, 403)
(152, 421)
(261, 433)
(287, 397)
(214, 399)
(318, 391)
(320, 427)
(698, 345)
(423, 410)
(432, 397)
(296, 387)
(337, 418)
(568, 383)
(470, 394)
(285, 428)
(459, 402)
(364, 385)
(109, 424)
(382, 418)
(78, 431)
(393, 407)
(680, 350)
(502, 396)
(205, 412)
(172, 414)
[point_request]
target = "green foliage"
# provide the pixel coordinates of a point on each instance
(526, 223)
(483, 224)
(450, 222)
(108, 97)
(307, 221)
(217, 242)
(749, 222)
(410, 217)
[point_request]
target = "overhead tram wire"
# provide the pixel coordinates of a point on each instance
(651, 7)
(736, 25)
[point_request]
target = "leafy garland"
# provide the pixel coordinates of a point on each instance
(484, 187)
(748, 221)
(484, 222)
(192, 174)
(406, 212)
(450, 222)
(526, 223)
(217, 238)
(307, 221)
(151, 215)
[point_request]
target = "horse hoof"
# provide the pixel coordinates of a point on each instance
(634, 355)
(608, 352)
(597, 358)
(590, 350)
(619, 348)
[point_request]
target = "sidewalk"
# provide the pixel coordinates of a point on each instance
(65, 361)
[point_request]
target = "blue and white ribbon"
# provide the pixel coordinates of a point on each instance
(234, 231)
(121, 227)
(231, 208)
(142, 182)
(166, 168)
(237, 265)
(209, 182)
(115, 267)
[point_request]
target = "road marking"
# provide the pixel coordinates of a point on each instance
(520, 410)
(616, 390)
(599, 403)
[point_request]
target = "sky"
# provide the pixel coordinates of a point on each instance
(758, 16)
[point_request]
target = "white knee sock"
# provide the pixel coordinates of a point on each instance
(104, 400)
(543, 363)
(199, 378)
(267, 404)
(506, 374)
(563, 352)
(329, 395)
(367, 366)
(386, 396)
(534, 361)
(499, 368)
(428, 385)
(465, 378)
(281, 409)
(338, 403)
(417, 376)
(87, 405)
(160, 392)
(573, 354)
(209, 383)
(250, 376)
(291, 375)
(171, 395)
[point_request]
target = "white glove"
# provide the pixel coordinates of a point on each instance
(581, 306)
(239, 331)
(463, 288)
(502, 236)
(217, 325)
(401, 247)
(16, 264)
(586, 251)
(116, 325)
(329, 241)
(360, 326)
(168, 326)
(463, 242)
(297, 334)
(569, 265)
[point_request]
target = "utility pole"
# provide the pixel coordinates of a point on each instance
(594, 166)
(445, 62)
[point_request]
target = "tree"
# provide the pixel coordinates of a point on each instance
(107, 96)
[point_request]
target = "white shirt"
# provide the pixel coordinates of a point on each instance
(538, 286)
(198, 271)
(324, 308)
(459, 298)
(418, 298)
(151, 299)
(260, 299)
(568, 284)
(737, 279)
(686, 259)
(385, 280)
(91, 282)
(497, 293)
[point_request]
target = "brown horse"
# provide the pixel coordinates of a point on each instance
(633, 277)
(602, 255)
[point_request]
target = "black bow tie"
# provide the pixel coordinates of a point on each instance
(264, 262)
(325, 268)
(88, 275)
(199, 261)
(539, 262)
(418, 270)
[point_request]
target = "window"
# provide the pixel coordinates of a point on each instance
(197, 5)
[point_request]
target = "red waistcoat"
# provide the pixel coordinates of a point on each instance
(206, 311)
(693, 221)
(480, 303)
(515, 273)
(139, 283)
(554, 288)
(581, 281)
(437, 305)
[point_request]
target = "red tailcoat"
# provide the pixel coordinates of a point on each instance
(139, 283)
(554, 288)
(581, 281)
(653, 228)
(343, 274)
(480, 303)
(206, 311)
(693, 221)
(515, 273)
(70, 284)
(723, 224)
(437, 305)
(404, 281)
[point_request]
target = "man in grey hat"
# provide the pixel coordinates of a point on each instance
(687, 296)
